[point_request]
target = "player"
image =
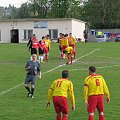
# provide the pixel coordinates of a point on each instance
(69, 52)
(35, 44)
(33, 69)
(59, 91)
(72, 42)
(41, 49)
(64, 44)
(47, 47)
(94, 90)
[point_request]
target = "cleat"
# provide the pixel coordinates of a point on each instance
(29, 95)
(32, 96)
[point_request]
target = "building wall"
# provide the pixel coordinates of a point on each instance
(5, 32)
(26, 25)
(62, 25)
(77, 29)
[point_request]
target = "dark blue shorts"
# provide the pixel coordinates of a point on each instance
(30, 79)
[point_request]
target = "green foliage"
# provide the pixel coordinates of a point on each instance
(14, 105)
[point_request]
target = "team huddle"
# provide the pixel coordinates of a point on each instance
(94, 85)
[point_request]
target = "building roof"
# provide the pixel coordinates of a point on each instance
(35, 19)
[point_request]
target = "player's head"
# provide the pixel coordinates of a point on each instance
(65, 74)
(92, 69)
(43, 37)
(34, 57)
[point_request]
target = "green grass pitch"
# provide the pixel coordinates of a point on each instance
(14, 105)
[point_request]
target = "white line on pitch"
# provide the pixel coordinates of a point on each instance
(100, 67)
(49, 71)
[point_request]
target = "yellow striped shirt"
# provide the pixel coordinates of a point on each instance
(95, 85)
(61, 87)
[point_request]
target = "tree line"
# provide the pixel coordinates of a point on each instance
(98, 14)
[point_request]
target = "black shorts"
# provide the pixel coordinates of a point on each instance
(41, 51)
(33, 51)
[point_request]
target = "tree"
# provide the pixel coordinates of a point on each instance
(100, 13)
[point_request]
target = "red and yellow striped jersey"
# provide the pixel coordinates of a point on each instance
(64, 42)
(61, 87)
(47, 43)
(95, 85)
(72, 41)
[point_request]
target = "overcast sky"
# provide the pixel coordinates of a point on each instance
(16, 3)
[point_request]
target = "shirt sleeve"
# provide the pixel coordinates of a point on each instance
(50, 91)
(71, 91)
(105, 89)
(86, 84)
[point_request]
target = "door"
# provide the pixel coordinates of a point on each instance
(14, 36)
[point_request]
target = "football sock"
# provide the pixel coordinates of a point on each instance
(39, 58)
(28, 89)
(61, 55)
(32, 91)
(91, 117)
(74, 54)
(101, 117)
(65, 118)
(46, 57)
(42, 58)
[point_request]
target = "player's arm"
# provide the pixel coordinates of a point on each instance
(106, 91)
(27, 67)
(86, 92)
(49, 44)
(50, 92)
(72, 98)
(39, 71)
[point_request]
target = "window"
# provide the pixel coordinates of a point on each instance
(53, 33)
(28, 34)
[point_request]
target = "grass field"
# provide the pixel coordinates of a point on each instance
(14, 105)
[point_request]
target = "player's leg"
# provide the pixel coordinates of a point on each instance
(67, 57)
(26, 84)
(62, 54)
(56, 103)
(46, 54)
(33, 78)
(100, 107)
(32, 90)
(64, 108)
(92, 103)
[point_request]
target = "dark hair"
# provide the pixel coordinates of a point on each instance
(43, 37)
(65, 74)
(92, 68)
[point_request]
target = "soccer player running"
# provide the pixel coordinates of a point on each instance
(59, 91)
(94, 89)
(33, 69)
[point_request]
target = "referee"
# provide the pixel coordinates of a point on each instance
(33, 69)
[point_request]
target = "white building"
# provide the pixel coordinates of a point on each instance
(20, 30)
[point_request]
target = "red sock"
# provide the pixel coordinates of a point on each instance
(74, 54)
(65, 118)
(58, 117)
(101, 117)
(91, 117)
(61, 55)
(46, 57)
